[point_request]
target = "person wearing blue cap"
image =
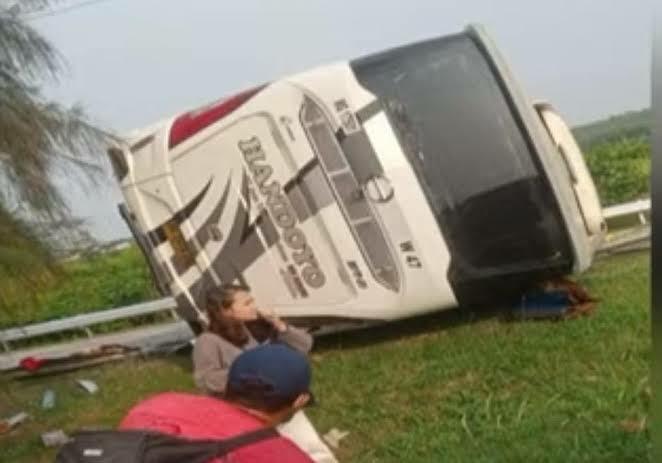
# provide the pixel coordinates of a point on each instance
(236, 325)
(266, 386)
(271, 381)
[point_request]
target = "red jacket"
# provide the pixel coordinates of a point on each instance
(202, 417)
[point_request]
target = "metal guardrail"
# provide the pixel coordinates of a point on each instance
(62, 356)
(86, 321)
(628, 240)
(627, 214)
(628, 226)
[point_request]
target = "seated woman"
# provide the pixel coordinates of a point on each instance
(237, 324)
(232, 311)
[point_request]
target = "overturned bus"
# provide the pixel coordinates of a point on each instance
(411, 180)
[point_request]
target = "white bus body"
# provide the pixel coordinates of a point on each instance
(404, 182)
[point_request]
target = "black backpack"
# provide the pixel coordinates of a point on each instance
(140, 446)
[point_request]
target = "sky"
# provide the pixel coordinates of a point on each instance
(133, 62)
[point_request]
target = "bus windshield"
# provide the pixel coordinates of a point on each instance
(479, 172)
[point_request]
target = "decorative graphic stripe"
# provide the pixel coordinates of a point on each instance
(203, 234)
(158, 236)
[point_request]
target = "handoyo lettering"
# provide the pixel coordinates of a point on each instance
(282, 212)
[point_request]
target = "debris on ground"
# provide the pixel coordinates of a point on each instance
(31, 364)
(89, 385)
(634, 425)
(55, 438)
(559, 298)
(10, 423)
(334, 436)
(48, 399)
(71, 361)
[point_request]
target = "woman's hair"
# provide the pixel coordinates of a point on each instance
(222, 297)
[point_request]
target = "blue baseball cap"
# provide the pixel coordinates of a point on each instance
(273, 374)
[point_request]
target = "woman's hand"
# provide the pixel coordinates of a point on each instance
(270, 316)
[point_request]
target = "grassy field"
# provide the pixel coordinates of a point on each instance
(446, 387)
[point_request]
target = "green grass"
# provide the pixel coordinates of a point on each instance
(99, 282)
(621, 169)
(446, 387)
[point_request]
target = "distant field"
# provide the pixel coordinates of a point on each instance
(617, 151)
(100, 282)
(632, 124)
(443, 388)
(621, 169)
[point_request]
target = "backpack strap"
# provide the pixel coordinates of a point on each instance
(228, 445)
(164, 448)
